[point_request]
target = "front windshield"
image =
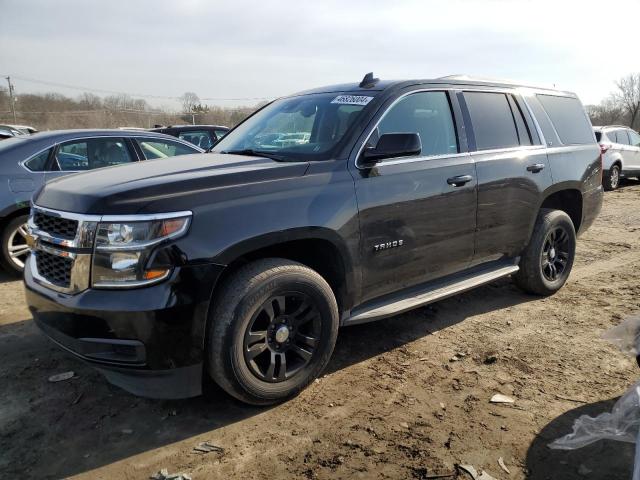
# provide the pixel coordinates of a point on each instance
(307, 127)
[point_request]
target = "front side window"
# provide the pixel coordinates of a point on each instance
(306, 127)
(568, 118)
(200, 138)
(492, 120)
(92, 153)
(38, 163)
(426, 113)
(635, 138)
(154, 148)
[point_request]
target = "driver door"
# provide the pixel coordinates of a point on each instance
(415, 223)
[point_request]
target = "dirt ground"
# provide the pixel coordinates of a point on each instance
(393, 404)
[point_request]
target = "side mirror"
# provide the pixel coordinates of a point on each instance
(392, 145)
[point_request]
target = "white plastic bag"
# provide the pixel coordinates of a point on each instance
(622, 424)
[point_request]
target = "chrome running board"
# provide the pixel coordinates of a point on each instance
(428, 293)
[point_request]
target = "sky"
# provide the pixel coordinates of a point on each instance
(239, 52)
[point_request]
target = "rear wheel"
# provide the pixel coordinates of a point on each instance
(14, 245)
(547, 261)
(611, 179)
(272, 331)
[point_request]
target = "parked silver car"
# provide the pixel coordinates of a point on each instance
(620, 147)
(28, 161)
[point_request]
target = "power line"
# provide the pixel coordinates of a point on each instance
(140, 95)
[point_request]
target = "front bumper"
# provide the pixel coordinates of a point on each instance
(149, 341)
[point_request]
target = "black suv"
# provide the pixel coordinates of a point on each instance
(203, 136)
(332, 207)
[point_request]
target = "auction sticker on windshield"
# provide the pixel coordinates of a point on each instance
(352, 99)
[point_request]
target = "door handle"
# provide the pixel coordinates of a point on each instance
(535, 168)
(459, 180)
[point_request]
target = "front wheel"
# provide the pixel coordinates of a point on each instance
(272, 331)
(14, 245)
(547, 260)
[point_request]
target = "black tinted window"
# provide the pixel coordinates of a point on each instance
(568, 118)
(598, 135)
(492, 120)
(426, 113)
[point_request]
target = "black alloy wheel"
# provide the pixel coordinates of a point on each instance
(555, 253)
(282, 337)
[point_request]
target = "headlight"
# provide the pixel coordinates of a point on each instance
(124, 245)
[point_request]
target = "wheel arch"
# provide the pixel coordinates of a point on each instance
(318, 248)
(567, 198)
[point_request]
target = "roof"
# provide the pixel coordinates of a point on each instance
(610, 126)
(64, 134)
(452, 80)
(190, 127)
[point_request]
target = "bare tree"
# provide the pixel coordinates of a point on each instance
(629, 96)
(189, 101)
(608, 112)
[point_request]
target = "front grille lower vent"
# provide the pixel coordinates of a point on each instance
(56, 226)
(54, 269)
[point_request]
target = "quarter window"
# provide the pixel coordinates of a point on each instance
(38, 163)
(426, 113)
(492, 120)
(153, 149)
(92, 153)
(568, 118)
(635, 138)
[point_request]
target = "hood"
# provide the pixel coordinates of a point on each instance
(160, 185)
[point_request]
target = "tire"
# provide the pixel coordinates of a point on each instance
(611, 179)
(547, 260)
(250, 333)
(13, 257)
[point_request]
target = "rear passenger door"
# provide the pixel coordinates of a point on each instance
(512, 171)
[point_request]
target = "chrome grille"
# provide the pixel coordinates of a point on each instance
(54, 269)
(56, 226)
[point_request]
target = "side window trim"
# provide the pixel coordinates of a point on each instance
(455, 117)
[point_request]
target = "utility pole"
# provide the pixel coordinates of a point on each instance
(13, 105)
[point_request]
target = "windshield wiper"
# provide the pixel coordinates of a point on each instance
(255, 153)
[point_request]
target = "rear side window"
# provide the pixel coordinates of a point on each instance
(92, 153)
(598, 136)
(568, 118)
(38, 163)
(623, 138)
(635, 138)
(492, 120)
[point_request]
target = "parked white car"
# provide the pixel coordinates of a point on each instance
(620, 147)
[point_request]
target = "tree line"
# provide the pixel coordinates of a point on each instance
(621, 107)
(53, 111)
